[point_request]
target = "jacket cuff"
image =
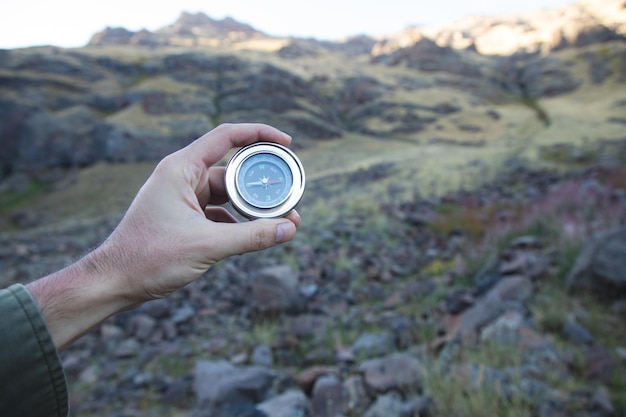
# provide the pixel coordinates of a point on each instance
(32, 378)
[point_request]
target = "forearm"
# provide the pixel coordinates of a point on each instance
(77, 298)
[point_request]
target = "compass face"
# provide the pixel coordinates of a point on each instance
(264, 180)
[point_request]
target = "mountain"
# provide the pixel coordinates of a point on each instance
(135, 96)
(583, 23)
(579, 24)
(190, 29)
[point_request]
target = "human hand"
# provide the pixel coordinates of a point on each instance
(169, 236)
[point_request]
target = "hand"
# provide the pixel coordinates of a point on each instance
(169, 237)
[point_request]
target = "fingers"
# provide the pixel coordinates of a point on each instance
(294, 217)
(212, 146)
(217, 186)
(239, 238)
(219, 214)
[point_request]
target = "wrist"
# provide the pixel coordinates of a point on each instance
(75, 299)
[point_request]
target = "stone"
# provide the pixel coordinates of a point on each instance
(307, 325)
(330, 397)
(602, 399)
(262, 356)
(600, 269)
(306, 379)
(291, 403)
(370, 345)
(358, 399)
(127, 348)
(507, 292)
(599, 364)
(183, 314)
(274, 290)
(218, 384)
(389, 405)
(142, 326)
(399, 371)
(157, 309)
(577, 333)
(528, 261)
(504, 330)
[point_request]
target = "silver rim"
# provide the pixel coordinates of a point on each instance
(295, 194)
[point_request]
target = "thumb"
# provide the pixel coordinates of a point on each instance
(239, 238)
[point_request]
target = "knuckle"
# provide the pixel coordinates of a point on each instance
(260, 239)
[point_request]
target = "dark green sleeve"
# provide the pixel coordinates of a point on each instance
(32, 382)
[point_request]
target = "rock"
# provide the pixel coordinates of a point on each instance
(157, 309)
(510, 292)
(577, 333)
(599, 364)
(602, 400)
(358, 399)
(142, 326)
(599, 269)
(183, 314)
(307, 378)
(330, 397)
(127, 348)
(392, 405)
(288, 404)
(458, 301)
(528, 262)
(262, 356)
(275, 290)
(308, 325)
(504, 330)
(399, 371)
(370, 345)
(219, 385)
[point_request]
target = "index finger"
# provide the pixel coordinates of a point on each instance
(212, 146)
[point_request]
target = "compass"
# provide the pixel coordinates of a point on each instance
(264, 180)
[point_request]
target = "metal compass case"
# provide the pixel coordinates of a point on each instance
(264, 180)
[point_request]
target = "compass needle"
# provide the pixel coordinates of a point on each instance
(275, 170)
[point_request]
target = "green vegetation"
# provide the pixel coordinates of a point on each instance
(12, 200)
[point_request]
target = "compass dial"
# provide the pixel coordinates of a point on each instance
(264, 180)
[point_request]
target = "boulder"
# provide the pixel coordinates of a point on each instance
(220, 386)
(274, 290)
(290, 403)
(330, 397)
(600, 268)
(399, 371)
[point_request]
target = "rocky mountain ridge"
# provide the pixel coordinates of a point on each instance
(579, 24)
(189, 29)
(71, 108)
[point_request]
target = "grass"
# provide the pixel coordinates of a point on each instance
(454, 396)
(11, 200)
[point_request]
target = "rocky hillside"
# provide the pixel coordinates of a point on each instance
(137, 96)
(465, 304)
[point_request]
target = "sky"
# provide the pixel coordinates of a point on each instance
(71, 23)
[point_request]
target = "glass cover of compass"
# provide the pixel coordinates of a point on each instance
(264, 180)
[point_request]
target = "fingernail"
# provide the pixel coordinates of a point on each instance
(284, 232)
